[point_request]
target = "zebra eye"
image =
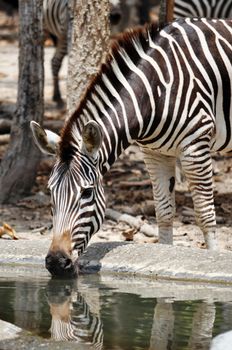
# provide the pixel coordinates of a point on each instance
(86, 192)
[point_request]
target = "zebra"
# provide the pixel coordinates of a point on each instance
(72, 318)
(58, 23)
(167, 89)
(203, 8)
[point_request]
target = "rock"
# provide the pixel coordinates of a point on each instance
(8, 330)
(222, 341)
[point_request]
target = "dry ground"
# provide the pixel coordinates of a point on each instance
(127, 185)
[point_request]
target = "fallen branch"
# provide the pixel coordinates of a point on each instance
(136, 222)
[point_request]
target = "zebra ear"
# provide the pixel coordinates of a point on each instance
(46, 140)
(92, 138)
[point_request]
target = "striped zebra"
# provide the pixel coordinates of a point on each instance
(203, 8)
(72, 318)
(168, 90)
(58, 23)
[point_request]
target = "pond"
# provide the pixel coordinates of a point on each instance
(116, 313)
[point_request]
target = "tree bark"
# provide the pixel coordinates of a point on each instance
(90, 40)
(166, 12)
(19, 165)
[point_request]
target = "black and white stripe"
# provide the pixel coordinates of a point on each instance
(203, 8)
(74, 321)
(76, 195)
(170, 91)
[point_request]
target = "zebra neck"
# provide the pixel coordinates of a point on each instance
(113, 145)
(118, 113)
(121, 99)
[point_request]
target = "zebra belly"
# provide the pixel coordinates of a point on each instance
(173, 152)
(222, 141)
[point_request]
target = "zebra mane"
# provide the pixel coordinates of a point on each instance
(125, 41)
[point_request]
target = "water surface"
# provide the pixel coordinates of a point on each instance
(101, 315)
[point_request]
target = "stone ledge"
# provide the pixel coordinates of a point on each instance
(148, 260)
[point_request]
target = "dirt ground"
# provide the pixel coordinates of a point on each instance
(127, 185)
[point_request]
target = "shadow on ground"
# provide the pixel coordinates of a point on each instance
(90, 261)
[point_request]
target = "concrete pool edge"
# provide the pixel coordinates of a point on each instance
(154, 261)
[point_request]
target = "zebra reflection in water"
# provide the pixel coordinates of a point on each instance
(73, 319)
(166, 325)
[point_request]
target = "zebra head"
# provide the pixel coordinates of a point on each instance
(77, 197)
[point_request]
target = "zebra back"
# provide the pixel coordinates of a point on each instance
(203, 8)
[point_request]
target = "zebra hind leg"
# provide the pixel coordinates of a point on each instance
(197, 166)
(61, 51)
(162, 173)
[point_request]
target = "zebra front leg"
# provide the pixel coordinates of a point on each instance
(162, 173)
(197, 167)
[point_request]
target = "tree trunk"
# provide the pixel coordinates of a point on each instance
(90, 40)
(19, 165)
(166, 12)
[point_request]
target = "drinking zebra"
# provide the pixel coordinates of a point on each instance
(203, 8)
(169, 90)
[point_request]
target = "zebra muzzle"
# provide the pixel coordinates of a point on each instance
(59, 264)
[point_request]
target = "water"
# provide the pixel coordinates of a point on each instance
(117, 313)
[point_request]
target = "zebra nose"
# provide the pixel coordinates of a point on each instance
(59, 264)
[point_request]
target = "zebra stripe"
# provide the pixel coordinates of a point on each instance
(179, 81)
(56, 17)
(203, 8)
(64, 206)
(78, 324)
